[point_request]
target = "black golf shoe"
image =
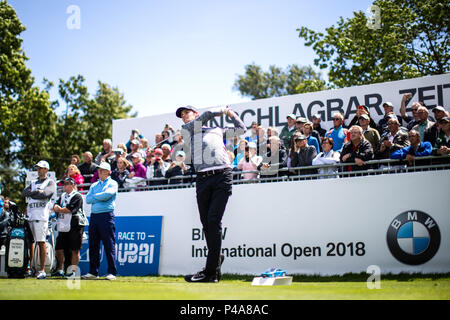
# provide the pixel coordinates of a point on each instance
(201, 276)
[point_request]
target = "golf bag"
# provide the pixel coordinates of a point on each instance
(50, 258)
(17, 251)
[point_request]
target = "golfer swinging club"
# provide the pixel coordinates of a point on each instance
(214, 179)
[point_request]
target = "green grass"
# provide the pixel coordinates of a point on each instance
(232, 287)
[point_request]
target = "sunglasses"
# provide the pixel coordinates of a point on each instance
(336, 119)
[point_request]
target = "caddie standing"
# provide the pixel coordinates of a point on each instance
(40, 193)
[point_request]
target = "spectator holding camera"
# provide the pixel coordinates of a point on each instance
(166, 149)
(432, 133)
(250, 162)
(134, 145)
(442, 145)
(274, 160)
(392, 140)
(362, 109)
(135, 134)
(157, 167)
(178, 168)
(303, 155)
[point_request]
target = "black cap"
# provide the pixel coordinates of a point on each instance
(69, 180)
(178, 112)
(300, 137)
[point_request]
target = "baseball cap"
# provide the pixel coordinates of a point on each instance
(292, 116)
(364, 116)
(105, 166)
(439, 108)
(252, 145)
(363, 107)
(135, 141)
(69, 180)
(300, 137)
(301, 120)
(180, 153)
(389, 104)
(158, 150)
(42, 164)
(317, 116)
(392, 116)
(178, 112)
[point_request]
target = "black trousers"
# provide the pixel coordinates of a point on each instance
(212, 197)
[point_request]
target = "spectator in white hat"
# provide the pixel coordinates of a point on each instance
(388, 110)
(433, 132)
(102, 196)
(178, 168)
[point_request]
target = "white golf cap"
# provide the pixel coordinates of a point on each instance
(105, 166)
(43, 164)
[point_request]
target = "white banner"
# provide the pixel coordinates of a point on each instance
(398, 222)
(432, 90)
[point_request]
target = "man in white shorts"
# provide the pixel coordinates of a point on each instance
(40, 193)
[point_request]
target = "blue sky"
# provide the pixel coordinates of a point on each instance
(163, 54)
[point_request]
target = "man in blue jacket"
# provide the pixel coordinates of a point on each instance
(102, 196)
(415, 149)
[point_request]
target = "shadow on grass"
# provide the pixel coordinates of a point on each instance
(348, 277)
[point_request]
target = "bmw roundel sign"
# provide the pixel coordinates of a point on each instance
(413, 237)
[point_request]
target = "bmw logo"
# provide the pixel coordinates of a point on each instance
(413, 237)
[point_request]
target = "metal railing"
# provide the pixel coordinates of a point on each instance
(372, 167)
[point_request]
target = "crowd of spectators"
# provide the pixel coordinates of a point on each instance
(263, 152)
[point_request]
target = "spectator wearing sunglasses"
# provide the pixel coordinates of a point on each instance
(357, 150)
(338, 133)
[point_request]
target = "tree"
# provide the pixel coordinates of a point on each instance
(25, 111)
(408, 39)
(85, 121)
(259, 84)
(30, 128)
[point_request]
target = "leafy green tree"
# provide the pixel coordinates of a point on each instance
(25, 112)
(402, 39)
(84, 120)
(30, 126)
(259, 84)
